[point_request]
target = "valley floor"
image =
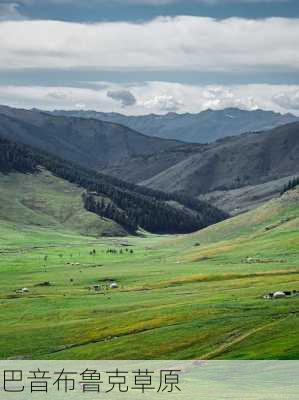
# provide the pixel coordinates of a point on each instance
(179, 297)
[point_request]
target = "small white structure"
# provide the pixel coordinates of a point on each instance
(113, 285)
(279, 295)
(23, 290)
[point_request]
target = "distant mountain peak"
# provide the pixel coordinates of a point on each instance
(203, 127)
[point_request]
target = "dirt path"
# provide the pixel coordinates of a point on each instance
(227, 346)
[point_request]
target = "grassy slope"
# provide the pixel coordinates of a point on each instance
(47, 201)
(176, 299)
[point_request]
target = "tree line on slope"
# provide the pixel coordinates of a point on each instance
(131, 206)
(290, 185)
(14, 157)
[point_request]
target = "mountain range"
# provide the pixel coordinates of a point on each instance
(87, 142)
(204, 127)
(234, 173)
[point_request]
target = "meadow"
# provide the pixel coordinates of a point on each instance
(178, 297)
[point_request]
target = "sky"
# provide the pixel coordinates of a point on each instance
(150, 56)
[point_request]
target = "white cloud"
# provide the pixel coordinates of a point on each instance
(57, 95)
(163, 103)
(179, 43)
(194, 98)
(288, 101)
(54, 97)
(156, 97)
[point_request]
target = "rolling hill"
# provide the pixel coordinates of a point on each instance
(48, 202)
(248, 159)
(83, 190)
(235, 173)
(88, 142)
(196, 296)
(206, 126)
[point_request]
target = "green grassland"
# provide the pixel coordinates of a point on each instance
(43, 200)
(179, 297)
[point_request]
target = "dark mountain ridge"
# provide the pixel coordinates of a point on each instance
(228, 163)
(88, 142)
(234, 162)
(203, 127)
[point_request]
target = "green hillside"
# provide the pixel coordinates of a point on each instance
(133, 207)
(179, 297)
(48, 201)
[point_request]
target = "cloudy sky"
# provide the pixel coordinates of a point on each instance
(150, 56)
